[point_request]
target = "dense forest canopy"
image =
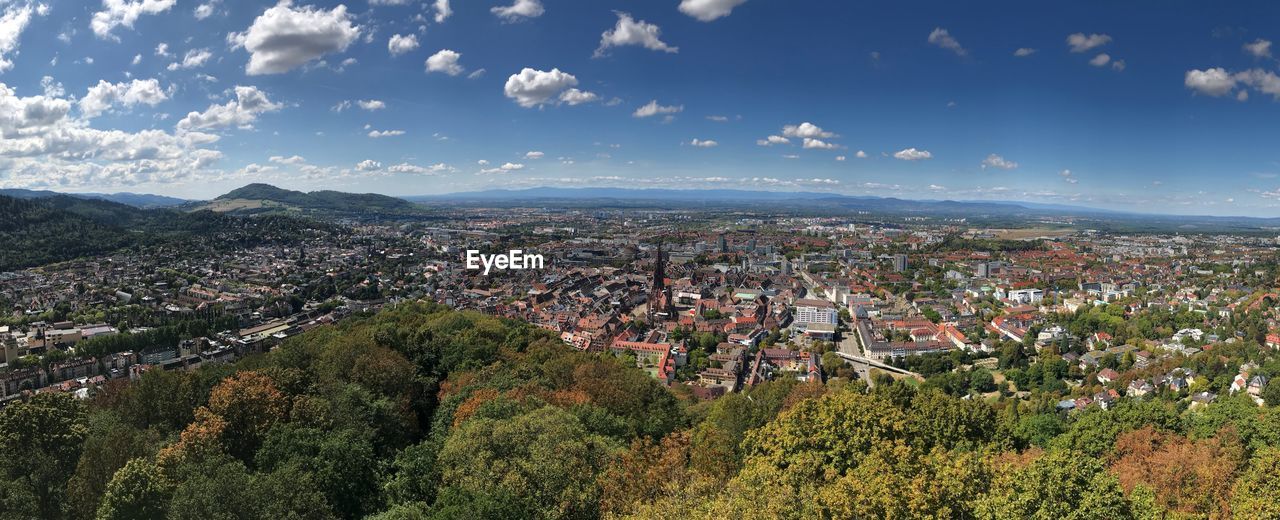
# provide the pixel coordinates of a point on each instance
(424, 412)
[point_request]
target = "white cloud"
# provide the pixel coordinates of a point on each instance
(420, 170)
(994, 161)
(1068, 177)
(912, 154)
(1118, 65)
(1260, 48)
(708, 10)
(703, 143)
(818, 144)
(518, 11)
(628, 31)
(574, 97)
(1079, 42)
(942, 38)
(377, 134)
(206, 9)
(283, 38)
(13, 21)
(840, 158)
(239, 112)
(1212, 82)
(43, 147)
(294, 159)
(368, 165)
(476, 73)
(137, 58)
(861, 154)
(102, 96)
(1023, 52)
(371, 104)
(116, 13)
(18, 114)
(1263, 81)
(192, 59)
(162, 50)
(718, 119)
(400, 44)
(442, 10)
(445, 61)
(531, 88)
(533, 155)
(653, 108)
(1100, 60)
(505, 168)
(806, 129)
(51, 87)
(772, 140)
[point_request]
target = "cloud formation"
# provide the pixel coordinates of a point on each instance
(996, 161)
(240, 112)
(531, 87)
(517, 11)
(445, 61)
(912, 154)
(629, 31)
(283, 37)
(942, 38)
(708, 10)
(1079, 42)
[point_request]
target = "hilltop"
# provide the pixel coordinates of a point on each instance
(265, 198)
(47, 229)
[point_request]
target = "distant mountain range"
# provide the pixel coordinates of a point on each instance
(717, 196)
(729, 197)
(977, 212)
(259, 198)
(137, 200)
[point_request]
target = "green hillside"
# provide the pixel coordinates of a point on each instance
(262, 198)
(52, 229)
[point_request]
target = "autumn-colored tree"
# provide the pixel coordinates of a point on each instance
(645, 472)
(1192, 477)
(250, 404)
(468, 408)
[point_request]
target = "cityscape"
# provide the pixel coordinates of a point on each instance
(341, 288)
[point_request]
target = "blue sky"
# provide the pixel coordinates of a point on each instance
(1158, 107)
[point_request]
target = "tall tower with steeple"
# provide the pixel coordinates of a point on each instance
(659, 296)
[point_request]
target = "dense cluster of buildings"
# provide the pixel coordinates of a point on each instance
(712, 302)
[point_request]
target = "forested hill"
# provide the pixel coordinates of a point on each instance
(264, 198)
(423, 412)
(51, 229)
